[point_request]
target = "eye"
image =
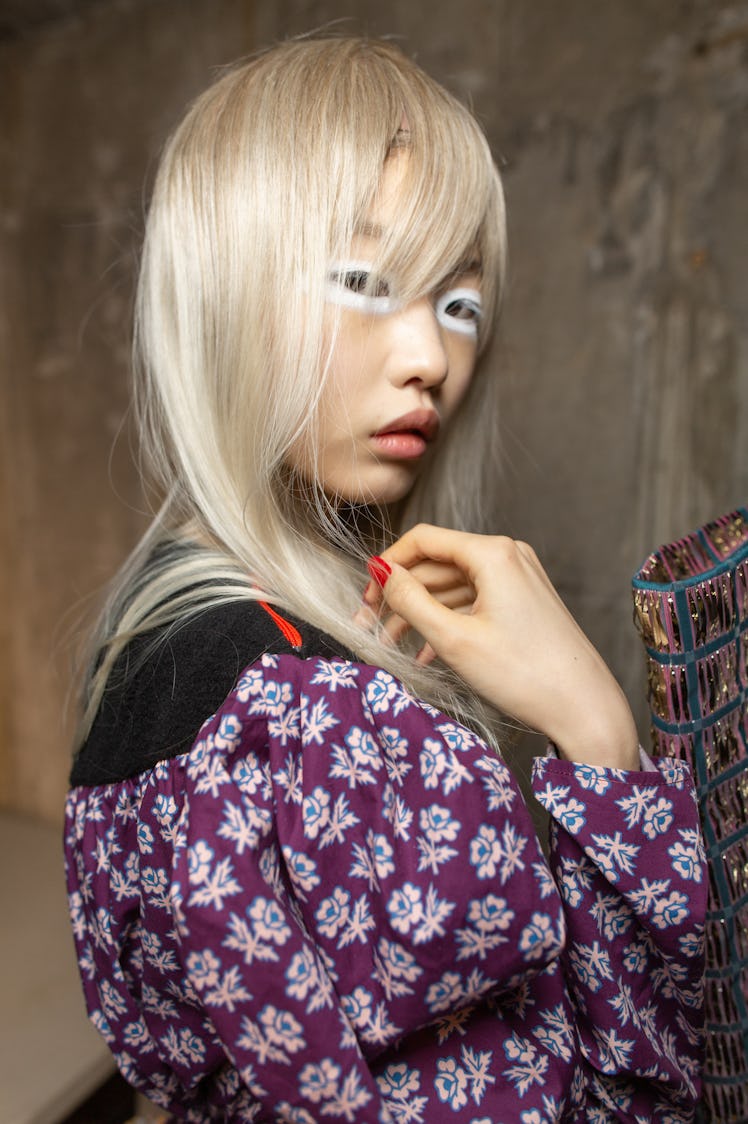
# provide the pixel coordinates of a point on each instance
(354, 285)
(361, 281)
(460, 310)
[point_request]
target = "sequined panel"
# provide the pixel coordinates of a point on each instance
(691, 611)
(727, 803)
(728, 534)
(655, 620)
(712, 608)
(741, 590)
(734, 875)
(680, 693)
(699, 552)
(727, 1104)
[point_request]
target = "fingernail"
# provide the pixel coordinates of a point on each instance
(379, 570)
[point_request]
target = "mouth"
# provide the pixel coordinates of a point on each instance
(423, 424)
(407, 437)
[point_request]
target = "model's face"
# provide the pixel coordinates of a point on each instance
(398, 371)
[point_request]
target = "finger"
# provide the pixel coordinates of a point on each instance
(430, 546)
(365, 617)
(395, 628)
(426, 543)
(437, 576)
(426, 655)
(410, 600)
(441, 578)
(458, 600)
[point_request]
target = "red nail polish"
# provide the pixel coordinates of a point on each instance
(379, 570)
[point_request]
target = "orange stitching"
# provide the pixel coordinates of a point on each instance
(290, 632)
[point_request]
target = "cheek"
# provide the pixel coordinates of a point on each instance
(354, 364)
(462, 354)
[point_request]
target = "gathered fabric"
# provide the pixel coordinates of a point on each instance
(334, 907)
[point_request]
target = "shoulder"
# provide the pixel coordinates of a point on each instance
(165, 685)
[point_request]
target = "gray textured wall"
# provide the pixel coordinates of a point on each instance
(621, 131)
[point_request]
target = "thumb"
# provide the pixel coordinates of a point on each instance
(410, 599)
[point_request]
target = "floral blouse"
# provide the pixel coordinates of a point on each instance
(332, 906)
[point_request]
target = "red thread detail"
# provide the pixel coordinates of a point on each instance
(291, 633)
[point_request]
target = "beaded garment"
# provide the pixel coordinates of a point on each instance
(691, 608)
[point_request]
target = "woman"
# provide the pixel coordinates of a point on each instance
(303, 883)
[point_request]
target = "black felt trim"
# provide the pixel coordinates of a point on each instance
(155, 712)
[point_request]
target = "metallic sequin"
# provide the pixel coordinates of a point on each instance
(693, 620)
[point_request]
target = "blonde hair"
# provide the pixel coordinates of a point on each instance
(262, 185)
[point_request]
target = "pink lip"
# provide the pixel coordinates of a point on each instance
(421, 423)
(407, 437)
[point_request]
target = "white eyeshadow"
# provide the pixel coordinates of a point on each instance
(452, 323)
(337, 293)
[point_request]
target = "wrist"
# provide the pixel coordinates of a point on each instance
(610, 741)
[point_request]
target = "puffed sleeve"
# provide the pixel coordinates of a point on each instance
(332, 867)
(335, 907)
(628, 858)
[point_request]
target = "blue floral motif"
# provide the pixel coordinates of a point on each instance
(658, 818)
(333, 913)
(398, 1080)
(451, 1083)
(490, 913)
(405, 907)
(302, 870)
(316, 812)
(485, 851)
(381, 692)
(670, 911)
(204, 968)
(358, 1006)
(445, 993)
(319, 1082)
(437, 823)
(382, 853)
(281, 1028)
(688, 859)
(594, 779)
(229, 732)
(200, 861)
(433, 762)
(572, 816)
(339, 889)
(537, 937)
(145, 839)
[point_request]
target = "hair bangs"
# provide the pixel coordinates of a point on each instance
(266, 183)
(449, 216)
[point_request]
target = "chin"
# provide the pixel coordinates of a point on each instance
(388, 486)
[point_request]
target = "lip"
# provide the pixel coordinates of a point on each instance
(421, 423)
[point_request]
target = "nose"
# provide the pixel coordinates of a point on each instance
(419, 354)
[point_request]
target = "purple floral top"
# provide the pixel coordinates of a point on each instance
(334, 908)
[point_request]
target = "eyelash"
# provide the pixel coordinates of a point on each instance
(450, 308)
(457, 310)
(347, 283)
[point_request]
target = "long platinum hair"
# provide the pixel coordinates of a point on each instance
(262, 185)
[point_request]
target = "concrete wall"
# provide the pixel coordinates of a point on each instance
(620, 129)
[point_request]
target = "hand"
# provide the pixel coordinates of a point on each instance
(442, 580)
(518, 646)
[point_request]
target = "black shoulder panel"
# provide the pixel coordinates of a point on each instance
(156, 711)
